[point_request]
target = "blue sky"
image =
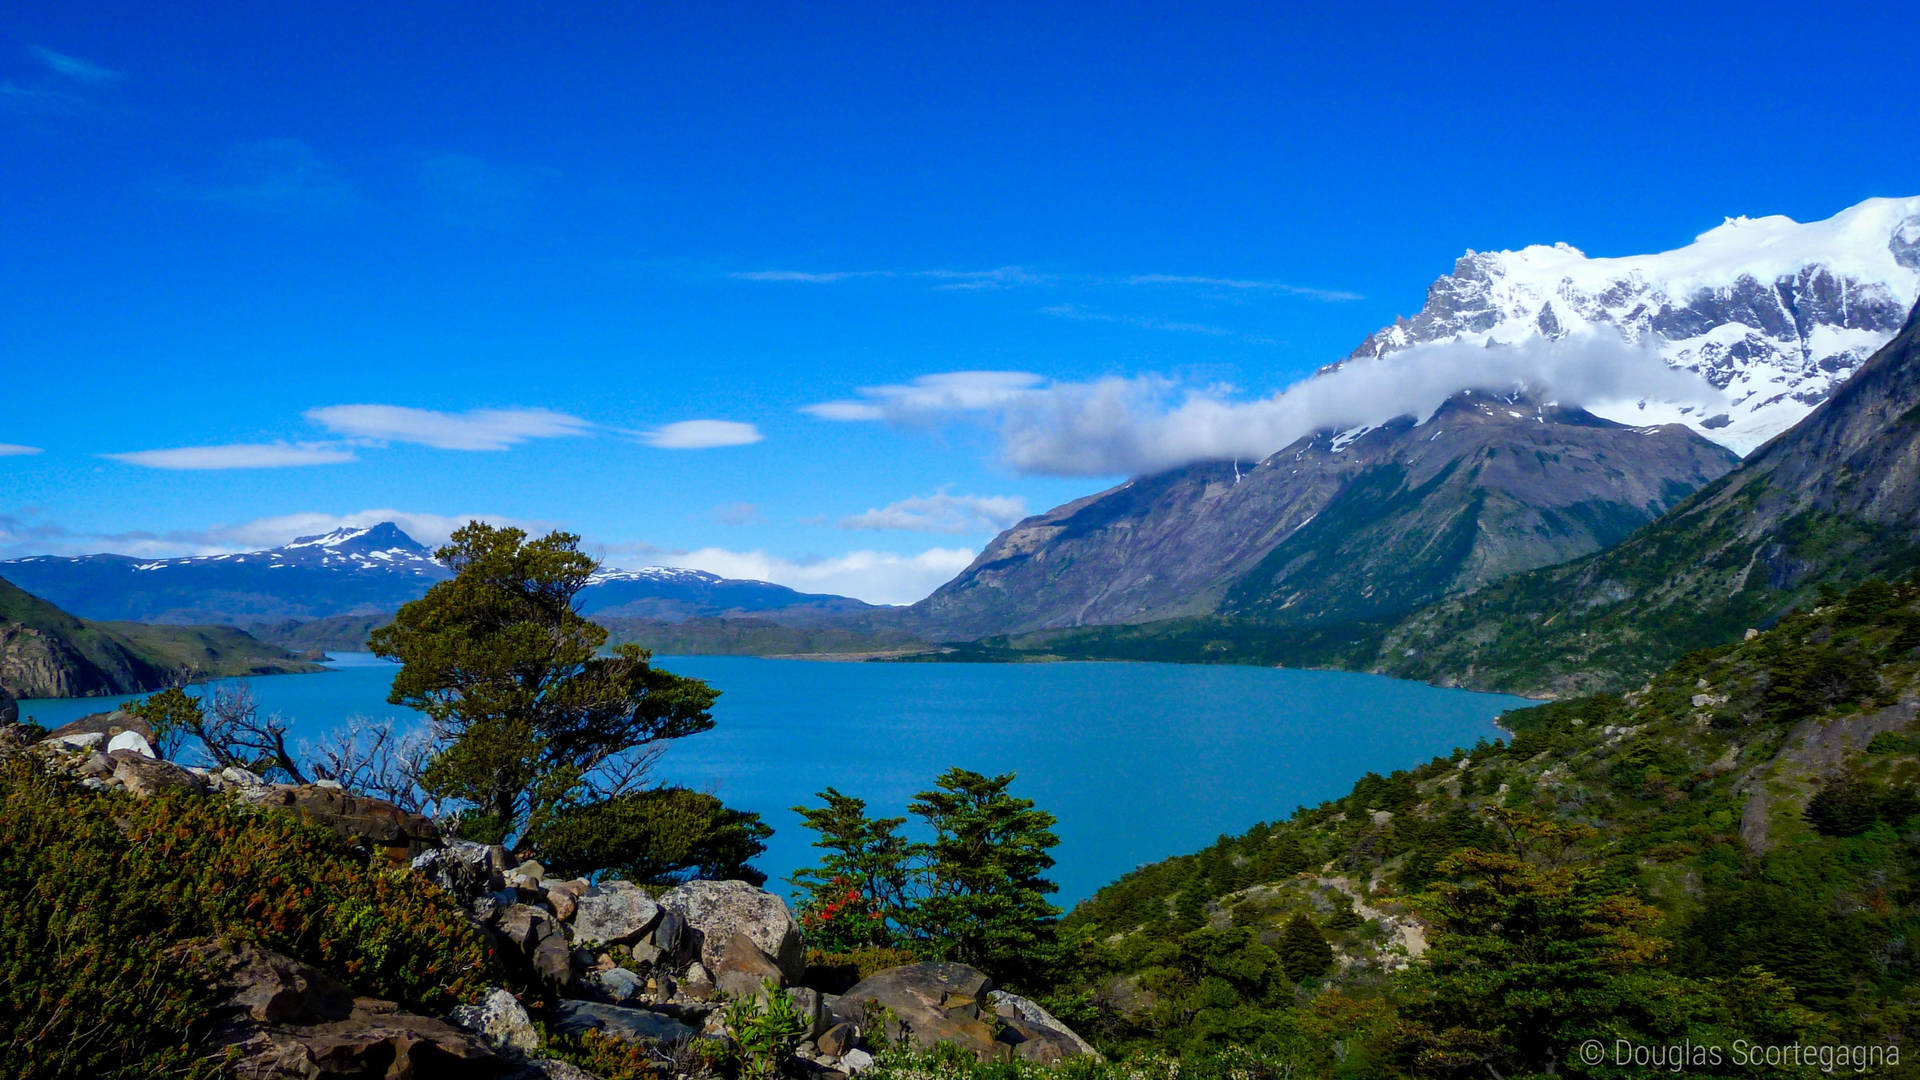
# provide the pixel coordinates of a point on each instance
(603, 268)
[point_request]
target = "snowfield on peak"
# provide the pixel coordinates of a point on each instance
(1772, 312)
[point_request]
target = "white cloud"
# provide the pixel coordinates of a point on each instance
(15, 450)
(1148, 423)
(701, 435)
(878, 577)
(479, 429)
(942, 513)
(275, 455)
(930, 396)
(75, 68)
(30, 534)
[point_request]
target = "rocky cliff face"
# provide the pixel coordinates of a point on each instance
(1773, 312)
(1337, 526)
(1833, 500)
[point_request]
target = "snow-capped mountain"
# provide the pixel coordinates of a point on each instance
(357, 571)
(1772, 312)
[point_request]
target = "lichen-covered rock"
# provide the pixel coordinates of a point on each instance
(143, 775)
(929, 1004)
(717, 910)
(502, 1021)
(401, 835)
(613, 913)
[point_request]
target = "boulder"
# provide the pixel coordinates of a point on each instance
(281, 1019)
(537, 939)
(613, 912)
(9, 709)
(143, 775)
(812, 1008)
(837, 1039)
(639, 1025)
(931, 1003)
(465, 870)
(1034, 1033)
(131, 740)
(615, 986)
(716, 910)
(502, 1021)
(856, 1061)
(105, 724)
(562, 903)
(743, 969)
(401, 835)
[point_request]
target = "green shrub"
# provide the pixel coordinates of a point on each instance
(106, 884)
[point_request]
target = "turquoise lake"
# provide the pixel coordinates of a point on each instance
(1138, 761)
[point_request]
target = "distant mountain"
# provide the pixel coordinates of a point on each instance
(368, 573)
(46, 652)
(346, 571)
(1774, 312)
(1354, 528)
(1336, 527)
(672, 594)
(1830, 502)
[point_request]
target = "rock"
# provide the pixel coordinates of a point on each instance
(401, 835)
(131, 740)
(538, 939)
(856, 1061)
(283, 1019)
(9, 709)
(98, 764)
(502, 1021)
(812, 1009)
(143, 775)
(577, 1017)
(616, 986)
(931, 1003)
(613, 912)
(532, 869)
(79, 740)
(1034, 1032)
(838, 1039)
(743, 969)
(561, 901)
(106, 725)
(697, 984)
(669, 935)
(521, 926)
(549, 1069)
(716, 910)
(464, 869)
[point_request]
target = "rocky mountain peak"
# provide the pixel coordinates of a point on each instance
(1772, 312)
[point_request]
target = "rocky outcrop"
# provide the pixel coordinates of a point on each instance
(399, 834)
(928, 1004)
(717, 910)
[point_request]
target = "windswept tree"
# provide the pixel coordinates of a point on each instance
(543, 730)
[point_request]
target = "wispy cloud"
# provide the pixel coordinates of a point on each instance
(466, 189)
(1244, 284)
(478, 429)
(738, 514)
(1008, 277)
(701, 435)
(31, 533)
(16, 450)
(826, 277)
(878, 577)
(930, 396)
(1149, 423)
(1147, 322)
(942, 513)
(75, 68)
(275, 455)
(278, 176)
